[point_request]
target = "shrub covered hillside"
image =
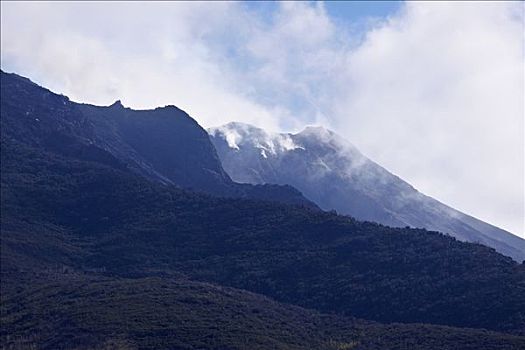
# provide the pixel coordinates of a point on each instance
(73, 311)
(94, 218)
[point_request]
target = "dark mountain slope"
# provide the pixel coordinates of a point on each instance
(103, 219)
(54, 297)
(164, 145)
(335, 175)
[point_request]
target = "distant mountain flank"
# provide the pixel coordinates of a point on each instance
(334, 174)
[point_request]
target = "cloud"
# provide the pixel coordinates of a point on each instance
(434, 92)
(144, 55)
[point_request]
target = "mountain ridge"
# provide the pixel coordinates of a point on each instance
(163, 144)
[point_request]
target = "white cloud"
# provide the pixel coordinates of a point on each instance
(145, 55)
(434, 93)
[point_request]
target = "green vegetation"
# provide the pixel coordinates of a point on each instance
(92, 218)
(71, 311)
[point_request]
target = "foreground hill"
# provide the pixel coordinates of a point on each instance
(74, 311)
(335, 175)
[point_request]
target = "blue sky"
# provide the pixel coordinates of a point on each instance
(433, 91)
(357, 10)
(354, 15)
(349, 11)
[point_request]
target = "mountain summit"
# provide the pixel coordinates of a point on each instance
(333, 173)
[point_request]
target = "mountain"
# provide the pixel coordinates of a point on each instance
(336, 176)
(63, 214)
(164, 144)
(95, 254)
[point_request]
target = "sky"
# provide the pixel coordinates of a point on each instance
(432, 91)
